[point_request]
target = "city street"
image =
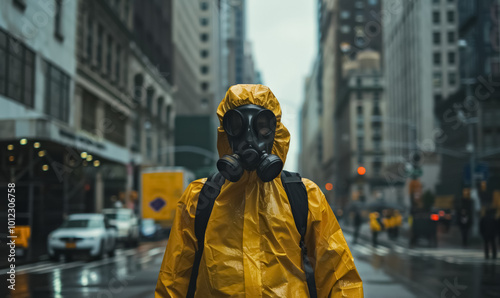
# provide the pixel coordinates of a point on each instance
(131, 273)
(386, 271)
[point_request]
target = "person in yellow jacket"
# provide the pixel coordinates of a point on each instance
(398, 221)
(375, 227)
(251, 246)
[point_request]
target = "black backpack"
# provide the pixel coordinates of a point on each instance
(297, 197)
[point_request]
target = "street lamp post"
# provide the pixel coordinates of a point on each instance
(471, 148)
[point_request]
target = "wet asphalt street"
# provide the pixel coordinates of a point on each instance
(386, 272)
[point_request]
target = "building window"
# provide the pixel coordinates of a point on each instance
(450, 15)
(118, 63)
(437, 79)
(108, 55)
(437, 98)
(204, 5)
(437, 58)
(149, 99)
(436, 17)
(345, 14)
(89, 105)
(359, 94)
(452, 78)
(359, 4)
(204, 103)
(56, 93)
(345, 29)
(167, 115)
(58, 16)
(451, 37)
(451, 58)
(360, 18)
(436, 37)
(204, 21)
(99, 45)
(17, 70)
(21, 4)
(204, 86)
(116, 122)
(372, 2)
(436, 1)
(204, 37)
(204, 53)
(204, 69)
(89, 43)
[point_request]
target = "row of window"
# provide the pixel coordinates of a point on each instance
(17, 78)
(17, 70)
(436, 17)
(437, 58)
(436, 37)
(438, 79)
(104, 41)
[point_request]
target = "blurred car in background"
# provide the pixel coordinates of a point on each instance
(83, 233)
(126, 223)
(150, 230)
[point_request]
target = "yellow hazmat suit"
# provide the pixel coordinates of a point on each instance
(374, 223)
(251, 241)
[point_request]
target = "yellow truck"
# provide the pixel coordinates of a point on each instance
(161, 189)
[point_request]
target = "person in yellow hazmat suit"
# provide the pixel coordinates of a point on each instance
(375, 227)
(253, 241)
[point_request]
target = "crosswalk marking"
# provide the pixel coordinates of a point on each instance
(44, 267)
(448, 255)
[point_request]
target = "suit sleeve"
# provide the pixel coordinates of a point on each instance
(175, 271)
(334, 270)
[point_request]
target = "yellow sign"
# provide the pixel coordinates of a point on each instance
(23, 234)
(160, 193)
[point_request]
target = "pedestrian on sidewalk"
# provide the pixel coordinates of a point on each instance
(398, 221)
(357, 225)
(375, 227)
(464, 222)
(488, 230)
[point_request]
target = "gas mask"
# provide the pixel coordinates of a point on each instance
(250, 130)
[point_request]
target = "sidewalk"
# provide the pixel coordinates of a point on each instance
(451, 239)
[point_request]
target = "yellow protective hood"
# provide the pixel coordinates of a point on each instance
(251, 246)
(239, 95)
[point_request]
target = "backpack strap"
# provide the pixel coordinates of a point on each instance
(209, 192)
(297, 197)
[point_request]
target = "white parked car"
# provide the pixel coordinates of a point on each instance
(126, 223)
(83, 233)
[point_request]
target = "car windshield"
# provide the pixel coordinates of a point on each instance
(148, 223)
(81, 223)
(117, 216)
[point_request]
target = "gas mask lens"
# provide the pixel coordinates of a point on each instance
(265, 123)
(233, 123)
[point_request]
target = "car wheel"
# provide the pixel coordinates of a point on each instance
(101, 252)
(54, 257)
(68, 257)
(111, 253)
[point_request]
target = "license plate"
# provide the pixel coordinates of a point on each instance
(70, 245)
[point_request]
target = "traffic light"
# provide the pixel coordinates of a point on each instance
(361, 170)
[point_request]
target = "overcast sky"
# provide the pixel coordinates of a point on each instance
(283, 36)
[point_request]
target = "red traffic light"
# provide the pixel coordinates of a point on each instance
(361, 170)
(434, 217)
(329, 186)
